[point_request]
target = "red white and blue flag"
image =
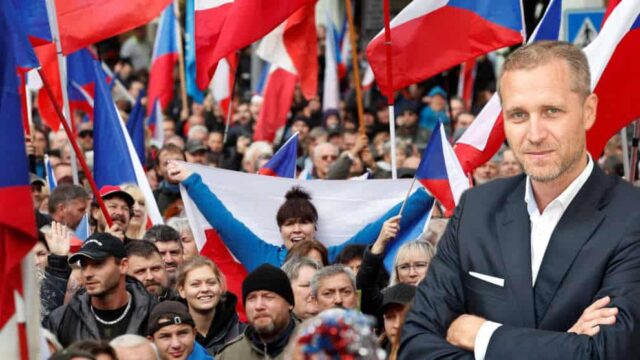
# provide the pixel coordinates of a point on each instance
(283, 162)
(82, 23)
(81, 81)
(225, 26)
(164, 60)
(291, 51)
(155, 125)
(440, 172)
(425, 44)
(613, 58)
(485, 136)
(17, 223)
(331, 85)
(115, 161)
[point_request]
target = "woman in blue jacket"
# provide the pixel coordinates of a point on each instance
(297, 220)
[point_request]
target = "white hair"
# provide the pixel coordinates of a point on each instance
(329, 271)
(181, 224)
(197, 129)
(132, 341)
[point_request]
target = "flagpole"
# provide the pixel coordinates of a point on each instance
(231, 97)
(624, 140)
(392, 120)
(76, 149)
(62, 66)
(407, 197)
(356, 67)
(184, 114)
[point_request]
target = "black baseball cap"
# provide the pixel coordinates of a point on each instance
(194, 146)
(168, 313)
(100, 246)
(400, 294)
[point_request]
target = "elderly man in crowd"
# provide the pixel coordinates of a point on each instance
(334, 286)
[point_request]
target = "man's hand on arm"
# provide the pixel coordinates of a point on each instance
(59, 239)
(463, 331)
(593, 316)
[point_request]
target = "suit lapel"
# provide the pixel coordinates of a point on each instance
(514, 237)
(578, 223)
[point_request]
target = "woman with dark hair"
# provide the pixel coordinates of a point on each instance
(297, 220)
(312, 249)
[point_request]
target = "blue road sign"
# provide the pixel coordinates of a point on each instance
(582, 25)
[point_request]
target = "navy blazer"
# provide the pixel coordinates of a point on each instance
(593, 252)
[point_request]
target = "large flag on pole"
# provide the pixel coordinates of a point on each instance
(617, 87)
(485, 136)
(17, 223)
(115, 160)
(225, 26)
(292, 53)
(82, 23)
(424, 43)
(163, 60)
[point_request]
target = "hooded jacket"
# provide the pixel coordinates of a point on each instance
(225, 326)
(248, 346)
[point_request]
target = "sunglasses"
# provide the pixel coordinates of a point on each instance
(85, 133)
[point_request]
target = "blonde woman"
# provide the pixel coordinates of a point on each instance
(201, 284)
(410, 265)
(138, 223)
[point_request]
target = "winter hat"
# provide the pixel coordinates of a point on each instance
(270, 278)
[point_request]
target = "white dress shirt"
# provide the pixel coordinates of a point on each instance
(542, 226)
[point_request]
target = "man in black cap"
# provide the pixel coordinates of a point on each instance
(196, 152)
(119, 205)
(396, 300)
(111, 304)
(268, 300)
(173, 331)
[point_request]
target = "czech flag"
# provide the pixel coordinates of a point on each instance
(440, 172)
(283, 163)
(155, 125)
(430, 36)
(135, 127)
(164, 60)
(17, 221)
(81, 81)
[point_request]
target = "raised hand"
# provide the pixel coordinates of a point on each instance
(59, 239)
(389, 231)
(177, 172)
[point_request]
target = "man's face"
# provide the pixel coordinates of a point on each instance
(304, 308)
(175, 342)
(509, 165)
(354, 265)
(464, 121)
(243, 114)
(164, 159)
(102, 277)
(85, 137)
(336, 291)
(40, 143)
(267, 312)
(349, 140)
(202, 289)
(325, 154)
(545, 121)
(197, 157)
(172, 255)
(119, 211)
(296, 230)
(62, 170)
(215, 142)
(189, 247)
(169, 128)
(301, 127)
(72, 212)
(485, 173)
(150, 272)
(392, 318)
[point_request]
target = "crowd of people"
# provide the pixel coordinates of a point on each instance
(134, 291)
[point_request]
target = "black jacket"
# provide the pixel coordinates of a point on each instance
(593, 252)
(75, 321)
(225, 325)
(54, 284)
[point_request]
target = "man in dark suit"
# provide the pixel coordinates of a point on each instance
(524, 256)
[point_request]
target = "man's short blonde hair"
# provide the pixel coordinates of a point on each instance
(543, 52)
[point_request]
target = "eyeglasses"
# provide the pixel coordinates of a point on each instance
(328, 157)
(417, 266)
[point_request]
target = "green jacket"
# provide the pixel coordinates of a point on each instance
(248, 346)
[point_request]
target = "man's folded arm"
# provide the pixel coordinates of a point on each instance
(439, 300)
(618, 341)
